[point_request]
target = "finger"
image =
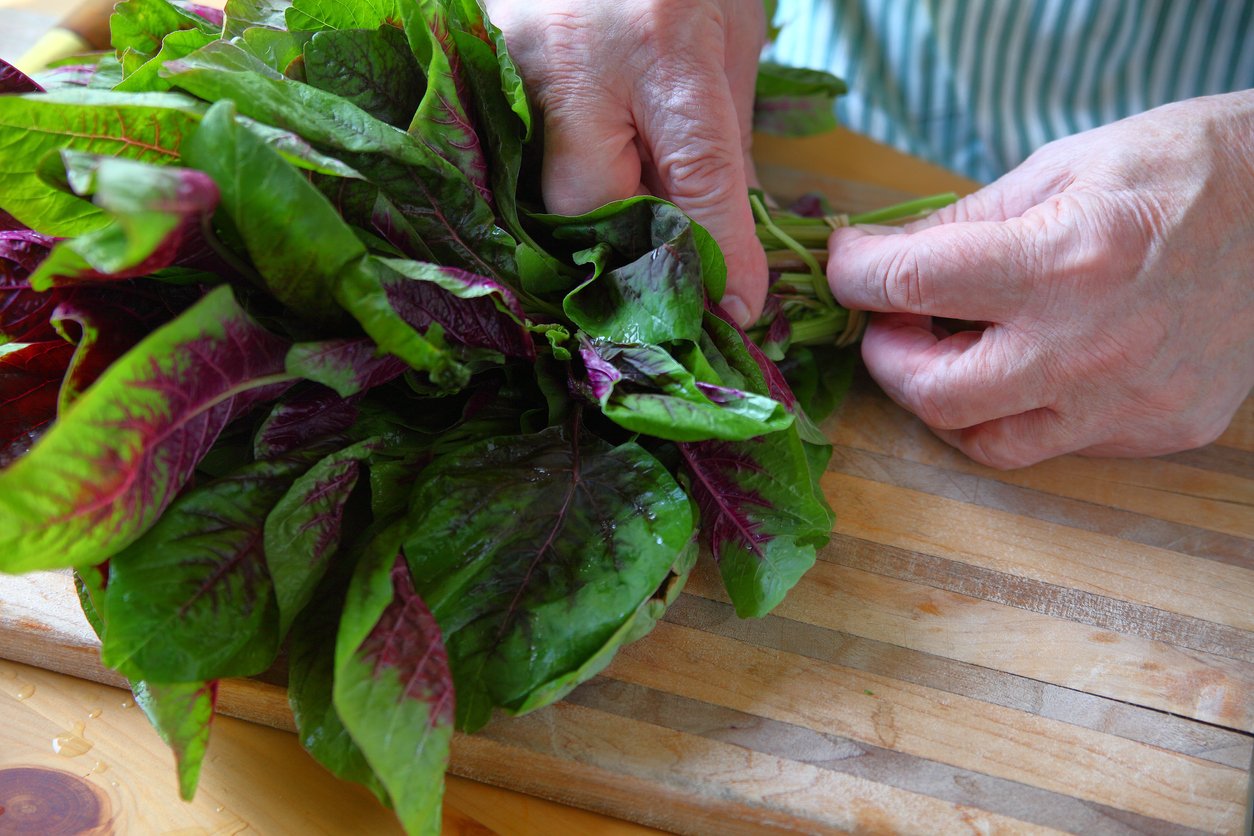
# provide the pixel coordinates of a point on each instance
(693, 139)
(949, 381)
(1009, 196)
(590, 155)
(1016, 441)
(976, 271)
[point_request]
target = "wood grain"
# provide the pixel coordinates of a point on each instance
(949, 729)
(256, 779)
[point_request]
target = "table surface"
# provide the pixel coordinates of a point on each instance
(1147, 531)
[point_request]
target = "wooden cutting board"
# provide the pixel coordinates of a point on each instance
(1068, 647)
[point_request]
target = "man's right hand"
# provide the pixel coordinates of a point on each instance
(649, 97)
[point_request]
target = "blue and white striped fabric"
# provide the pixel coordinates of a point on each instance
(977, 85)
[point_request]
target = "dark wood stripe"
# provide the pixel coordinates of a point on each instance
(1144, 725)
(986, 492)
(1217, 458)
(1038, 596)
(850, 757)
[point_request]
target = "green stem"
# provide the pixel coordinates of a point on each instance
(818, 275)
(901, 211)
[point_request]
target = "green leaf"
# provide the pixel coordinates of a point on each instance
(193, 598)
(533, 551)
(392, 686)
(372, 68)
(643, 389)
(453, 221)
(443, 120)
(311, 673)
(302, 532)
(142, 25)
(363, 292)
(792, 101)
(274, 47)
(154, 209)
(318, 15)
(242, 15)
(761, 512)
(112, 463)
(295, 238)
(147, 127)
(652, 267)
(146, 78)
(181, 713)
(639, 625)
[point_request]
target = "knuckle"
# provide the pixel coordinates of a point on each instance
(901, 281)
(999, 452)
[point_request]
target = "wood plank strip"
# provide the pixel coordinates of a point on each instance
(1216, 457)
(986, 492)
(1008, 543)
(608, 763)
(1209, 688)
(1164, 731)
(950, 729)
(864, 760)
(1155, 488)
(1050, 599)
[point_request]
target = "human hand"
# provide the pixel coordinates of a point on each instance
(1115, 272)
(639, 97)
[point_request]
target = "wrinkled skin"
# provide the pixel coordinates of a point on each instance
(1114, 271)
(649, 96)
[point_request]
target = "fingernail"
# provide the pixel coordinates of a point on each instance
(737, 310)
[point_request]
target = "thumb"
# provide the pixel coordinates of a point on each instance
(693, 139)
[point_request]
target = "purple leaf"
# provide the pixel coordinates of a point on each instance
(302, 533)
(212, 15)
(181, 713)
(24, 312)
(776, 386)
(115, 460)
(30, 379)
(473, 310)
(307, 415)
(760, 514)
(347, 366)
(393, 687)
(105, 324)
(445, 119)
(13, 80)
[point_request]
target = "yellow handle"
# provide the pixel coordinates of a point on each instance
(84, 29)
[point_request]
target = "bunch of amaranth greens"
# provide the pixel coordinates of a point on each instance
(290, 357)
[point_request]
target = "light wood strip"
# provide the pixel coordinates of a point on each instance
(864, 760)
(1156, 488)
(1164, 731)
(1043, 551)
(697, 785)
(1026, 503)
(942, 727)
(1050, 599)
(1209, 688)
(254, 780)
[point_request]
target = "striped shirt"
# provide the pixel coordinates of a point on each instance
(977, 85)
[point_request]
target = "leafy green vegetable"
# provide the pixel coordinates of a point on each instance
(290, 353)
